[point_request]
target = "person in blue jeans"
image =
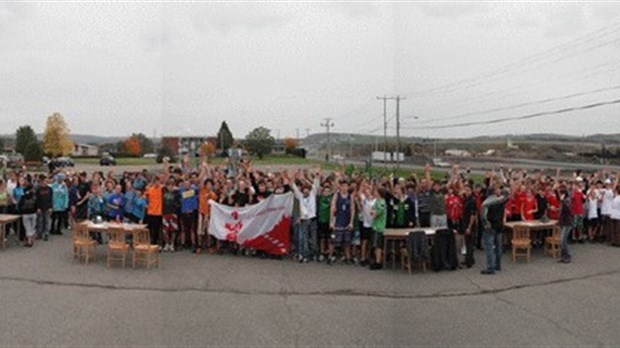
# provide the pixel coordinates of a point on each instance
(493, 221)
(565, 222)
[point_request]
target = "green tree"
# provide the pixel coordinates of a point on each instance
(146, 144)
(33, 152)
(1, 145)
(259, 141)
(56, 141)
(224, 137)
(24, 136)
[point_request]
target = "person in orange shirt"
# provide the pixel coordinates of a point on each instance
(154, 197)
(204, 209)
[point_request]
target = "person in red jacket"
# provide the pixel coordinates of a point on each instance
(454, 212)
(529, 206)
(577, 211)
(553, 211)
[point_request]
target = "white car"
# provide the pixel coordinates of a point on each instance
(150, 155)
(438, 162)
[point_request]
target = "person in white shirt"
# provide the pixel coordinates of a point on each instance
(367, 202)
(308, 244)
(607, 195)
(615, 218)
(593, 212)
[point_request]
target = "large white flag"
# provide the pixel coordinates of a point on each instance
(264, 226)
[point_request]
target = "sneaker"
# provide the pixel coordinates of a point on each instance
(171, 248)
(45, 238)
(331, 260)
(376, 266)
(355, 261)
(305, 260)
(364, 263)
(487, 272)
(321, 258)
(342, 259)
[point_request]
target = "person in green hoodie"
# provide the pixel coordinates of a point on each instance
(379, 215)
(324, 206)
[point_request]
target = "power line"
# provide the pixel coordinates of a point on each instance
(520, 105)
(583, 74)
(541, 56)
(523, 117)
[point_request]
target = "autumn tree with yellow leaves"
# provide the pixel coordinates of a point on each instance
(56, 141)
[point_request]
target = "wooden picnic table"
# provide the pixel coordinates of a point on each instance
(532, 225)
(6, 219)
(394, 235)
(105, 227)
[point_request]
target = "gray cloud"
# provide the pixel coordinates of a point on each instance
(225, 18)
(354, 9)
(12, 13)
(452, 10)
(117, 68)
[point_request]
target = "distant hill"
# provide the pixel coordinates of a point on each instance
(319, 139)
(77, 138)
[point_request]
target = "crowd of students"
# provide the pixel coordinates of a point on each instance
(337, 216)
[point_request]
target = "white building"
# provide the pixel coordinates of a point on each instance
(457, 153)
(80, 150)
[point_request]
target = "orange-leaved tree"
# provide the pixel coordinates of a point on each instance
(131, 146)
(290, 144)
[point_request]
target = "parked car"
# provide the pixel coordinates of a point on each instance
(107, 160)
(14, 160)
(62, 162)
(438, 162)
(150, 155)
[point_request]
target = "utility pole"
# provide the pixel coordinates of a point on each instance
(398, 99)
(385, 143)
(385, 126)
(328, 124)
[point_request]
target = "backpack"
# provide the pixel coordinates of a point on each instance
(28, 204)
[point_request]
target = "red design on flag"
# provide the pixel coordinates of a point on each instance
(275, 242)
(263, 226)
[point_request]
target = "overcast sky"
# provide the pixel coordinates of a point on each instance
(182, 68)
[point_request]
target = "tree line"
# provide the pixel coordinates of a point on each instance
(57, 142)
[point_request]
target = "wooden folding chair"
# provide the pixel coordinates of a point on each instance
(117, 246)
(143, 250)
(521, 241)
(82, 244)
(552, 243)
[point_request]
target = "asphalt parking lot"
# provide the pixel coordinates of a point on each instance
(48, 299)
